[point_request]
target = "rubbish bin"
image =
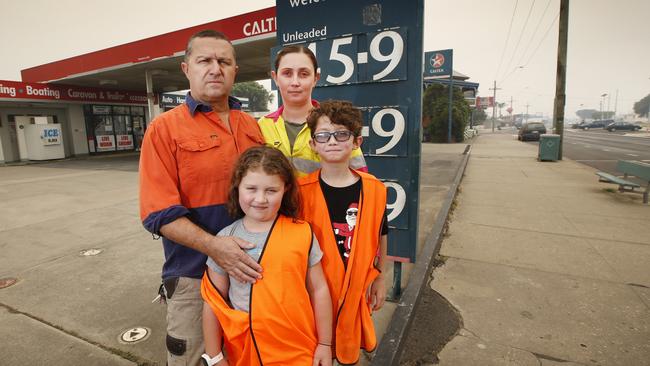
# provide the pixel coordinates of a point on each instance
(549, 147)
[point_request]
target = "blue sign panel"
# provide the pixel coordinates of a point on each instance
(438, 63)
(370, 53)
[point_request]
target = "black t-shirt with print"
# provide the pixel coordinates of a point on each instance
(343, 206)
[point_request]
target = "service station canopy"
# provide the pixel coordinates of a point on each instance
(124, 67)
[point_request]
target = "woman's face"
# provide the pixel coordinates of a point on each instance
(295, 78)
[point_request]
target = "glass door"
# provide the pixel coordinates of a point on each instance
(123, 128)
(103, 128)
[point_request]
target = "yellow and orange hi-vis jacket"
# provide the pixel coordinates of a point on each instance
(301, 156)
(280, 328)
(353, 327)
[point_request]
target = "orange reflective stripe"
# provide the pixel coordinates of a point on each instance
(353, 327)
(280, 328)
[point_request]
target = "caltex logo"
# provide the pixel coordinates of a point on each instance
(438, 60)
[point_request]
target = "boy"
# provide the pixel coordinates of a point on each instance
(347, 211)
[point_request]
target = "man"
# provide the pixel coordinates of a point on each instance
(187, 158)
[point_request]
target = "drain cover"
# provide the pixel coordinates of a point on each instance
(90, 252)
(134, 335)
(6, 282)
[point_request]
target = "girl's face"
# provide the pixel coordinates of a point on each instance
(260, 195)
(295, 78)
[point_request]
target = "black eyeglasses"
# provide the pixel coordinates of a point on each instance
(340, 136)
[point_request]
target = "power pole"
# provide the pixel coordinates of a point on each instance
(560, 83)
(512, 115)
(616, 103)
(527, 105)
(494, 104)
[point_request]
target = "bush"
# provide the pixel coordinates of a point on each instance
(435, 114)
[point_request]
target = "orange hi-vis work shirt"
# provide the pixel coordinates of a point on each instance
(280, 328)
(186, 161)
(353, 327)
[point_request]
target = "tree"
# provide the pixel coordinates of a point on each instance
(258, 96)
(642, 106)
(435, 114)
(479, 116)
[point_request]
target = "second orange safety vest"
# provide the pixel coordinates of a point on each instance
(353, 327)
(280, 328)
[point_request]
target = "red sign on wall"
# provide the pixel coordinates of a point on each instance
(17, 90)
(484, 102)
(105, 143)
(124, 142)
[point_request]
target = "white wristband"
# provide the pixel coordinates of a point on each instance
(208, 361)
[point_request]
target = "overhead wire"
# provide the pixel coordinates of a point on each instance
(523, 30)
(541, 18)
(505, 45)
(543, 38)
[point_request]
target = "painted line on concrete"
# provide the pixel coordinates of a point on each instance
(389, 350)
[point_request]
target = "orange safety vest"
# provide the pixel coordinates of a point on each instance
(280, 328)
(353, 327)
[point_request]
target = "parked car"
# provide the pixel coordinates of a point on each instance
(595, 124)
(622, 126)
(531, 131)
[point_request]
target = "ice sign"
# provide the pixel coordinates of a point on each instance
(50, 136)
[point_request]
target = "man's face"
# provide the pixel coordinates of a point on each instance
(210, 69)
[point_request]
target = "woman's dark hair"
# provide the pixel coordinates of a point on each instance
(295, 49)
(272, 162)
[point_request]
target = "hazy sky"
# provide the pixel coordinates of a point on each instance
(609, 41)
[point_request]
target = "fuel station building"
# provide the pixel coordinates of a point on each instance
(101, 102)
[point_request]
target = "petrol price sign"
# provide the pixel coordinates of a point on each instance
(370, 53)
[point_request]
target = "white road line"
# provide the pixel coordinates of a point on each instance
(599, 160)
(606, 150)
(631, 154)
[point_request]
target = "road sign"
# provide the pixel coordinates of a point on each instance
(370, 53)
(438, 63)
(484, 102)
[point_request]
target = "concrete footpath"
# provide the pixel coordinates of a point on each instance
(86, 271)
(543, 264)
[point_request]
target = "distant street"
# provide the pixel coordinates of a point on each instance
(602, 149)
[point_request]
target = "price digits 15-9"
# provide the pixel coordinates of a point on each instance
(362, 58)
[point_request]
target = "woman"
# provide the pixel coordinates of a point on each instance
(296, 75)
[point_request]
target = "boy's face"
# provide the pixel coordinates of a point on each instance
(334, 151)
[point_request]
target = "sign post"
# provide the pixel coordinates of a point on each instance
(370, 53)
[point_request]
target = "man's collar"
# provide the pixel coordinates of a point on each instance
(195, 105)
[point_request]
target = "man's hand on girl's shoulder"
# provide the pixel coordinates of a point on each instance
(228, 254)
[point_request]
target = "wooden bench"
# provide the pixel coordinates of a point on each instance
(629, 168)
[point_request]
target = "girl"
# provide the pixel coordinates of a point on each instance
(285, 318)
(296, 75)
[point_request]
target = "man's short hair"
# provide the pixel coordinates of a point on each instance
(340, 112)
(206, 33)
